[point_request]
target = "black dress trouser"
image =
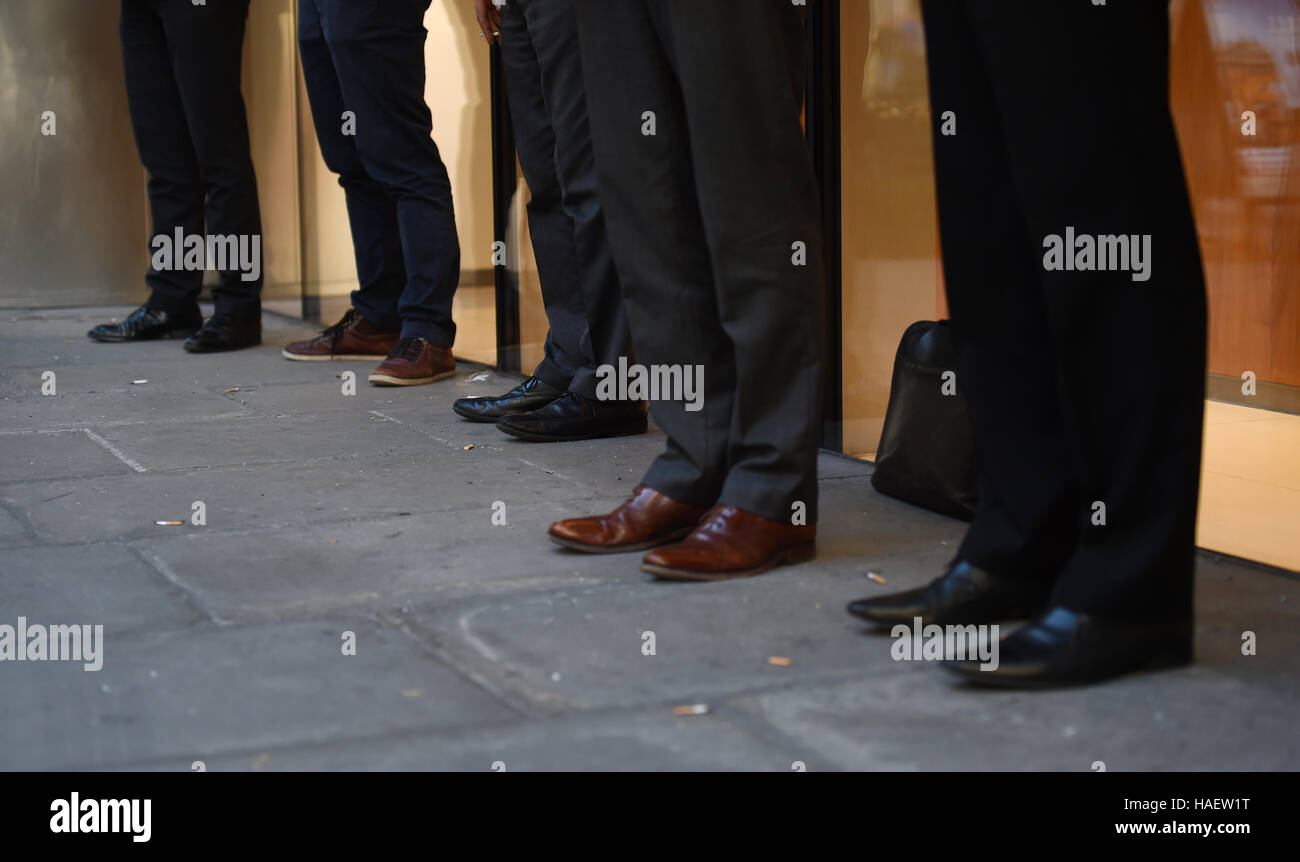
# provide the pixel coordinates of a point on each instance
(182, 66)
(548, 107)
(714, 217)
(1085, 387)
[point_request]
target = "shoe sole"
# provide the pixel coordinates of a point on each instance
(348, 357)
(175, 334)
(666, 539)
(1153, 664)
(1008, 617)
(389, 380)
(561, 438)
(800, 554)
(189, 349)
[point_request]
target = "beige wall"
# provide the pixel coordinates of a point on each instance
(73, 220)
(270, 97)
(888, 222)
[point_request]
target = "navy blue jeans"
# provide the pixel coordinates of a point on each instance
(363, 64)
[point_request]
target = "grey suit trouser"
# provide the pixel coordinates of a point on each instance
(714, 216)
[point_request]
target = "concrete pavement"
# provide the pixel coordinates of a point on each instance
(481, 645)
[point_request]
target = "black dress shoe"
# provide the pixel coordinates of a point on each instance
(147, 324)
(573, 417)
(225, 332)
(1064, 647)
(530, 395)
(965, 595)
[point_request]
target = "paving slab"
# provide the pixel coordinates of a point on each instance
(39, 456)
(281, 496)
(102, 584)
(184, 696)
(259, 440)
(12, 532)
(315, 568)
(640, 741)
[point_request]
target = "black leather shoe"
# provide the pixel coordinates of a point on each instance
(965, 595)
(573, 417)
(224, 332)
(1064, 647)
(148, 324)
(530, 395)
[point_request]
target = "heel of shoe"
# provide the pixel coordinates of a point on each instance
(1177, 648)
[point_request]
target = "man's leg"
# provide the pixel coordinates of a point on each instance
(741, 69)
(1025, 526)
(207, 50)
(550, 226)
(1100, 156)
(372, 212)
(1093, 154)
(378, 55)
(584, 304)
(602, 335)
(166, 150)
(647, 189)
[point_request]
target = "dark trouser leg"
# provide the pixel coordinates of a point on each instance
(741, 71)
(206, 54)
(1091, 146)
(1027, 523)
(378, 55)
(647, 188)
(548, 106)
(163, 141)
(372, 212)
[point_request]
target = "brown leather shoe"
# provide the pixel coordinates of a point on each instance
(648, 518)
(414, 361)
(732, 543)
(353, 337)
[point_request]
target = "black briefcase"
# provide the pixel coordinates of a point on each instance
(927, 449)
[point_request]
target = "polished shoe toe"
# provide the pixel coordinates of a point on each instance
(148, 324)
(645, 520)
(965, 595)
(533, 394)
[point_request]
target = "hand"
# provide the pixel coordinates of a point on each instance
(489, 20)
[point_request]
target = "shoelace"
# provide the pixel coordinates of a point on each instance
(335, 332)
(408, 349)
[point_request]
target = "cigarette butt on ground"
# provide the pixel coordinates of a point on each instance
(169, 523)
(692, 709)
(232, 389)
(877, 578)
(779, 661)
(138, 382)
(469, 447)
